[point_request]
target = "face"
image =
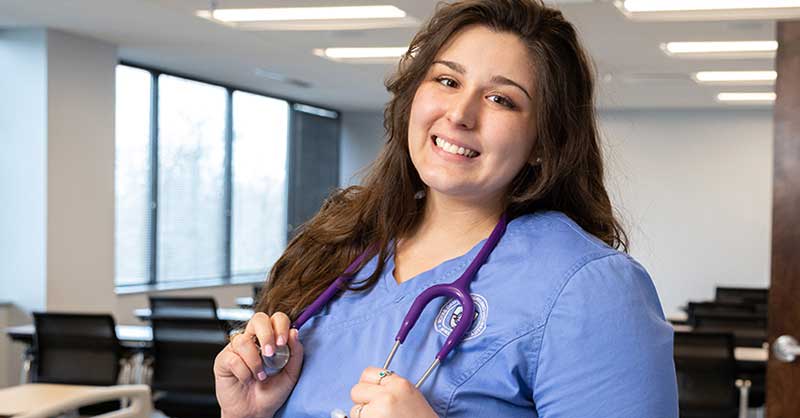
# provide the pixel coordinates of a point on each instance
(471, 126)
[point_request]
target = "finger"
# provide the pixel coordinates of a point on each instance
(244, 347)
(280, 325)
(373, 375)
(261, 325)
(363, 393)
(295, 363)
(370, 375)
(358, 411)
(230, 364)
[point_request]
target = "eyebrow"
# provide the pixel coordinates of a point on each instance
(498, 79)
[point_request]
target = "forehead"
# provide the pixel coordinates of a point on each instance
(486, 52)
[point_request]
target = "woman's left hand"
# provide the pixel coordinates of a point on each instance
(390, 396)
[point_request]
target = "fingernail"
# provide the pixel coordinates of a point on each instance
(281, 340)
(268, 350)
(262, 376)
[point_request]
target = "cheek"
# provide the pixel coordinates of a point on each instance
(424, 110)
(513, 148)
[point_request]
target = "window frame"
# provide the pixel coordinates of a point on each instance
(227, 279)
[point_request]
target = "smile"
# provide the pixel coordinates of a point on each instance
(454, 149)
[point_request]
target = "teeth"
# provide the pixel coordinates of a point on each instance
(454, 149)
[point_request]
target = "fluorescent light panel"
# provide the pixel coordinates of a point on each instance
(690, 5)
(709, 9)
(312, 18)
(743, 49)
(733, 97)
(736, 77)
(307, 13)
(361, 53)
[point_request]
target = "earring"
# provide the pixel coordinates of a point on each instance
(419, 195)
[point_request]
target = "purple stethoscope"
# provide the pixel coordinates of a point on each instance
(458, 289)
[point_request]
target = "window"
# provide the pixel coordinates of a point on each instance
(132, 179)
(259, 183)
(201, 180)
(191, 180)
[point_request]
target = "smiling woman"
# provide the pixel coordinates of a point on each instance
(492, 174)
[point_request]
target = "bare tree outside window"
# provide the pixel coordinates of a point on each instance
(132, 176)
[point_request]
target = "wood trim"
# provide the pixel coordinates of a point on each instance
(783, 379)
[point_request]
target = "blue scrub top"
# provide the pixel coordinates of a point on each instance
(567, 327)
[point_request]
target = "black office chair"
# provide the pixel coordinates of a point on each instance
(706, 371)
(754, 296)
(183, 358)
(183, 307)
(748, 330)
(79, 349)
(732, 309)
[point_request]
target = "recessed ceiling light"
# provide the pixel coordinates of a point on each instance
(736, 77)
(307, 13)
(362, 55)
(739, 49)
(749, 97)
(709, 9)
(311, 18)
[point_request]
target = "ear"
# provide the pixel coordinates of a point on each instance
(535, 161)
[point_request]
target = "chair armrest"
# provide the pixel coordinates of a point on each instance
(139, 407)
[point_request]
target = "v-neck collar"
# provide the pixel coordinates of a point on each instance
(447, 271)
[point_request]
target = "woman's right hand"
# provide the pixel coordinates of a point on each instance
(243, 390)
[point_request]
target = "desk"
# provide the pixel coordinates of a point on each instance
(245, 302)
(225, 314)
(752, 354)
(130, 336)
(678, 317)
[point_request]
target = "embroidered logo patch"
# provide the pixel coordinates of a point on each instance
(451, 312)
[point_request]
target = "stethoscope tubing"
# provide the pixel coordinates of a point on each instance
(458, 289)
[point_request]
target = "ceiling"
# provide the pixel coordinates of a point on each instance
(633, 73)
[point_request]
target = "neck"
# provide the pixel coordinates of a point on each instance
(449, 228)
(450, 217)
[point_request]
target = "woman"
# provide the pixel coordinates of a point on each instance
(492, 113)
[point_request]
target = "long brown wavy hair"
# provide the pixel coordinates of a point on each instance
(371, 216)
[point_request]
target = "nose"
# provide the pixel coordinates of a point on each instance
(463, 110)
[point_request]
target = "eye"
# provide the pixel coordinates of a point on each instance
(504, 101)
(444, 80)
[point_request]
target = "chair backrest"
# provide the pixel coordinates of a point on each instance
(706, 371)
(742, 295)
(727, 322)
(183, 307)
(750, 315)
(184, 351)
(76, 348)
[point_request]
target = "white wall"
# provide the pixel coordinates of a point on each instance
(693, 188)
(23, 142)
(80, 173)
